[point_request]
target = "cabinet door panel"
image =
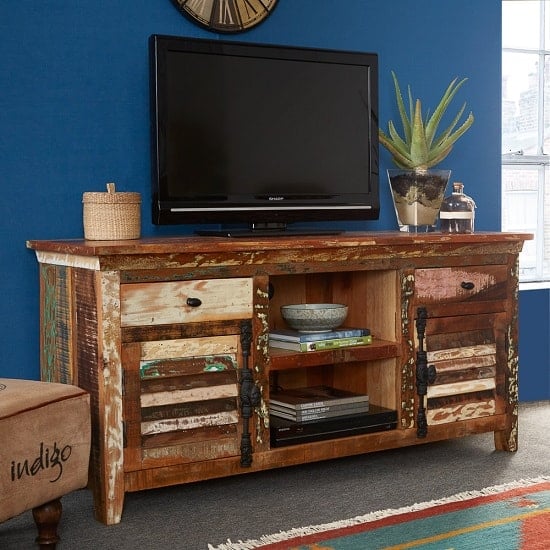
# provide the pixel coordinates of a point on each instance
(181, 406)
(468, 355)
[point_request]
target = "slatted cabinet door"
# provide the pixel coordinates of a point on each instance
(181, 356)
(187, 406)
(465, 337)
(468, 355)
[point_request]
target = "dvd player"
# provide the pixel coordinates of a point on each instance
(287, 432)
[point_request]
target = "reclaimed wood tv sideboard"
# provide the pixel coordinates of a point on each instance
(170, 337)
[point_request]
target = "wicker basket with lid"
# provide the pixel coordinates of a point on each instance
(111, 216)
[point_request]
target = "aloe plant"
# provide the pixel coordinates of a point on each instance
(419, 148)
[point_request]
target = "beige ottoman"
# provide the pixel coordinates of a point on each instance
(44, 450)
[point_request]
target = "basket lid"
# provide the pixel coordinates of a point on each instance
(111, 196)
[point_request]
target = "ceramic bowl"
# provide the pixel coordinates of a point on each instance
(314, 317)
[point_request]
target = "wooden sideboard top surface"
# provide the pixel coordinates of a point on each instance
(201, 244)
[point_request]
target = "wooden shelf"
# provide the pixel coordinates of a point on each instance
(281, 359)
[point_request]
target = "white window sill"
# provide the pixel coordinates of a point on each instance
(534, 285)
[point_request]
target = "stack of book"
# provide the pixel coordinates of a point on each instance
(318, 341)
(316, 403)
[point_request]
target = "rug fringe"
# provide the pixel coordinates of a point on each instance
(373, 516)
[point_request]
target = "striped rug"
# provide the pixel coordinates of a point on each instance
(515, 516)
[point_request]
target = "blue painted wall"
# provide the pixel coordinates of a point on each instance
(75, 113)
(534, 345)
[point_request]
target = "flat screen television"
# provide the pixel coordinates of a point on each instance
(262, 136)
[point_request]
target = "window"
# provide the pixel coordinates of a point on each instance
(526, 130)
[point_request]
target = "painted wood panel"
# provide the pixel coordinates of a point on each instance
(463, 355)
(188, 422)
(189, 347)
(161, 368)
(457, 284)
(187, 382)
(185, 396)
(466, 349)
(189, 407)
(461, 411)
(463, 358)
(196, 451)
(459, 388)
(165, 303)
(184, 437)
(461, 375)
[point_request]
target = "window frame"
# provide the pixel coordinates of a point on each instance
(540, 161)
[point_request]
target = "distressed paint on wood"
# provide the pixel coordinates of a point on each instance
(407, 361)
(111, 392)
(48, 321)
(258, 362)
(87, 362)
(472, 361)
(508, 439)
(444, 284)
(197, 451)
(57, 324)
(180, 332)
(68, 260)
(474, 373)
(188, 422)
(446, 400)
(160, 368)
(164, 303)
(66, 341)
(189, 409)
(461, 387)
(463, 411)
(202, 380)
(188, 394)
(189, 347)
(462, 352)
(184, 396)
(439, 335)
(465, 345)
(181, 437)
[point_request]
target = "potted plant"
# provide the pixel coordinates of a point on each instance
(417, 189)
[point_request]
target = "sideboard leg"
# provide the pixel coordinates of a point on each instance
(507, 439)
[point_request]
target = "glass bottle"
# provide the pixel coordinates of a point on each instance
(457, 211)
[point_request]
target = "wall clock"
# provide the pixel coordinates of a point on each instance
(226, 15)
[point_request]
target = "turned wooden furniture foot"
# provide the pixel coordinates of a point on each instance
(47, 518)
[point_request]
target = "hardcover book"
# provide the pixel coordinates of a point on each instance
(315, 397)
(290, 335)
(318, 413)
(321, 345)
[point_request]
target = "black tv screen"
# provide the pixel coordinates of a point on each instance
(259, 134)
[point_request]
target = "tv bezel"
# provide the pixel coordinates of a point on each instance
(170, 212)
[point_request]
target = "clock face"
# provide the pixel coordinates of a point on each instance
(226, 15)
